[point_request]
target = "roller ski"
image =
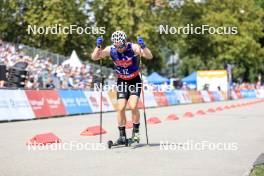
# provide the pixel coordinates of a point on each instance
(135, 135)
(121, 141)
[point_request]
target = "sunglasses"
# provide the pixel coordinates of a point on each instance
(120, 46)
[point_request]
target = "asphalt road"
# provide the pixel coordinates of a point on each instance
(224, 143)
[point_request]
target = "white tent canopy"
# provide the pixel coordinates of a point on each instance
(73, 61)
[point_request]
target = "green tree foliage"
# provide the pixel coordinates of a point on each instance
(19, 14)
(242, 50)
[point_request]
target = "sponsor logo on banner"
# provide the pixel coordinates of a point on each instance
(39, 106)
(248, 93)
(93, 101)
(14, 105)
(55, 104)
(75, 101)
(184, 97)
(69, 102)
(172, 97)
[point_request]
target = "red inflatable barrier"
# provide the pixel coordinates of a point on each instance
(211, 110)
(219, 109)
(226, 107)
(92, 131)
(188, 114)
(153, 120)
(43, 139)
(172, 117)
(200, 112)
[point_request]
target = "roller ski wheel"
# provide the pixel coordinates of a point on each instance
(111, 144)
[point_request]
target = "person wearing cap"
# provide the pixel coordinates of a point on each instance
(125, 56)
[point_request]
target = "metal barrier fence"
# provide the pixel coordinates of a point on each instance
(54, 57)
(42, 54)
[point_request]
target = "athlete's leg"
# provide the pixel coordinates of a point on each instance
(121, 119)
(135, 90)
(122, 97)
(121, 111)
(135, 117)
(133, 101)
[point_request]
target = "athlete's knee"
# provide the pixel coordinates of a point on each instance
(134, 108)
(121, 108)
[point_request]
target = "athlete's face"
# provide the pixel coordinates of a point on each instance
(120, 48)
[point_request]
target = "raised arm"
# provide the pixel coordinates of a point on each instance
(98, 52)
(141, 50)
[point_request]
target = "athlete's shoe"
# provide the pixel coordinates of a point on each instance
(135, 136)
(122, 140)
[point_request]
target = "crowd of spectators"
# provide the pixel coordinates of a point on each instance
(45, 74)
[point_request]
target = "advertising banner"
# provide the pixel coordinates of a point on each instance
(217, 95)
(212, 79)
(196, 96)
(14, 105)
(150, 100)
(93, 98)
(38, 104)
(55, 104)
(161, 98)
(172, 98)
(75, 101)
(184, 97)
(248, 93)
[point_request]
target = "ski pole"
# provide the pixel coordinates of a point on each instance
(143, 99)
(101, 101)
(101, 96)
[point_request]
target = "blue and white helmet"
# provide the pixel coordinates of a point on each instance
(118, 38)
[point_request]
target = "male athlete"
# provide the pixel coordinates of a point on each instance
(125, 57)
